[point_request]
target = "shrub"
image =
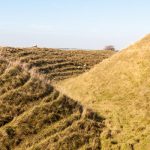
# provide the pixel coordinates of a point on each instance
(10, 132)
(109, 47)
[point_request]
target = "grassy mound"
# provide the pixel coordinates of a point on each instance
(119, 89)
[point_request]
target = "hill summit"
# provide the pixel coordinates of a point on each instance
(119, 88)
(144, 43)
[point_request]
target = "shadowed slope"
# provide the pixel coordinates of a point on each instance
(119, 88)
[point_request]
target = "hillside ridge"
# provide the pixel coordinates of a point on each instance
(118, 88)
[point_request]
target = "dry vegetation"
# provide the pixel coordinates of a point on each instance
(33, 114)
(55, 64)
(119, 89)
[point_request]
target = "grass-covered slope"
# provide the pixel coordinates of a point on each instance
(119, 88)
(55, 64)
(33, 114)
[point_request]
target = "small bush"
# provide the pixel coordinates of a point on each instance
(10, 132)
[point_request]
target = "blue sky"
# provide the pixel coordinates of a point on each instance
(90, 24)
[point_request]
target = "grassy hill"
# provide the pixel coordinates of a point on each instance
(36, 116)
(55, 64)
(119, 90)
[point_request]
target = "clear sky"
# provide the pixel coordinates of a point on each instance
(90, 24)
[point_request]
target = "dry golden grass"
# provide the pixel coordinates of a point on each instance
(33, 115)
(55, 64)
(119, 89)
